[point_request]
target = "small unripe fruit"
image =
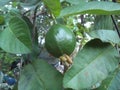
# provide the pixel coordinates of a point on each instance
(60, 40)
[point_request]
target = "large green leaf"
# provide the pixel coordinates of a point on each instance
(3, 2)
(91, 65)
(40, 76)
(112, 82)
(106, 35)
(94, 7)
(54, 6)
(103, 22)
(16, 37)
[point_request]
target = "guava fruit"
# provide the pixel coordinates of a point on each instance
(60, 40)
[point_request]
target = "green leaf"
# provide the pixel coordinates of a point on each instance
(16, 37)
(40, 76)
(3, 2)
(14, 12)
(54, 6)
(106, 35)
(103, 22)
(91, 65)
(36, 49)
(112, 82)
(94, 7)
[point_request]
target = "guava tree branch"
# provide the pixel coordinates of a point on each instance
(34, 23)
(116, 27)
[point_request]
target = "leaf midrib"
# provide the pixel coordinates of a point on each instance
(17, 38)
(95, 58)
(110, 83)
(39, 78)
(83, 8)
(26, 31)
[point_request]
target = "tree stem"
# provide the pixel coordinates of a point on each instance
(34, 23)
(116, 27)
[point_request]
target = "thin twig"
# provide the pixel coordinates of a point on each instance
(34, 23)
(26, 12)
(117, 31)
(116, 27)
(115, 22)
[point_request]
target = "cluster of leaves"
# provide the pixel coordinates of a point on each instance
(96, 63)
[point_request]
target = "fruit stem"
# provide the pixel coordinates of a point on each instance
(69, 60)
(54, 18)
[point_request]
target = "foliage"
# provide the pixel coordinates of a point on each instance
(99, 8)
(96, 55)
(18, 33)
(39, 76)
(86, 65)
(106, 23)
